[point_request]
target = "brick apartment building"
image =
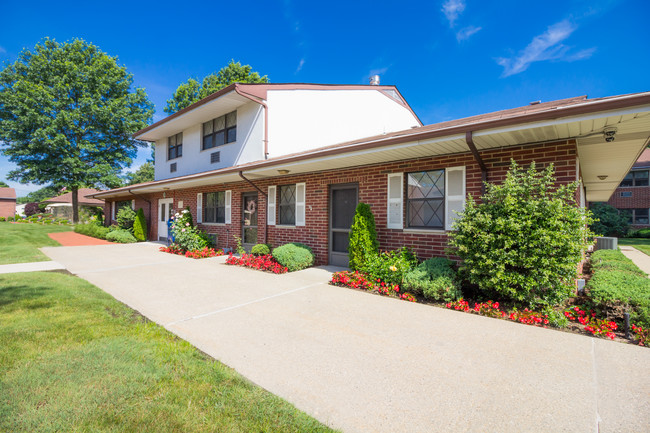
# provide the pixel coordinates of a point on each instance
(633, 194)
(7, 202)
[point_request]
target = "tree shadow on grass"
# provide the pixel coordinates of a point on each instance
(12, 293)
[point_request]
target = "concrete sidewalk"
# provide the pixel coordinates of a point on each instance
(639, 258)
(31, 267)
(364, 363)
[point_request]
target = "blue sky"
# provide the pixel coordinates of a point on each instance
(449, 58)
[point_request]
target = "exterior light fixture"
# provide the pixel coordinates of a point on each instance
(609, 134)
(602, 176)
(283, 171)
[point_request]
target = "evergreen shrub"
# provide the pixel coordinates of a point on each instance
(126, 218)
(525, 239)
(120, 235)
(608, 221)
(363, 237)
(294, 256)
(260, 250)
(140, 226)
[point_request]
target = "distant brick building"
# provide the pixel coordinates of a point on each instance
(7, 202)
(633, 194)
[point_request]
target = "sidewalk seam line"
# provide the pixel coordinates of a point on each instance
(266, 298)
(595, 374)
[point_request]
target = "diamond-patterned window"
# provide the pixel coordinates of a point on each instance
(426, 199)
(287, 204)
(214, 207)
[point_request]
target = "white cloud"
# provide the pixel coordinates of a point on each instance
(547, 46)
(300, 65)
(466, 32)
(452, 10)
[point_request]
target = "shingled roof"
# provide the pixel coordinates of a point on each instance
(83, 200)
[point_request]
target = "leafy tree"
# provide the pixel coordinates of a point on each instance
(192, 91)
(608, 221)
(363, 237)
(143, 174)
(40, 195)
(32, 209)
(3, 184)
(67, 112)
(140, 226)
(525, 239)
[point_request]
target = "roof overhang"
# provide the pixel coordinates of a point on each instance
(603, 164)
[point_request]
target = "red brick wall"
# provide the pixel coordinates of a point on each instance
(372, 181)
(7, 208)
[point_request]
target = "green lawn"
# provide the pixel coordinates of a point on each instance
(75, 359)
(20, 242)
(640, 244)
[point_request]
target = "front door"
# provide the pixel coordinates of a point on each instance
(249, 220)
(343, 203)
(164, 212)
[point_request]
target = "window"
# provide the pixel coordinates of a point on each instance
(637, 216)
(287, 204)
(214, 207)
(172, 168)
(175, 146)
(425, 199)
(635, 178)
(626, 193)
(220, 131)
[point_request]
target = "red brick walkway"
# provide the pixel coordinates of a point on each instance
(72, 239)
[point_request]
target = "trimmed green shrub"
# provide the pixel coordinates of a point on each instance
(643, 233)
(92, 229)
(2, 219)
(363, 237)
(140, 226)
(294, 256)
(608, 221)
(126, 218)
(121, 235)
(525, 239)
(390, 266)
(434, 278)
(260, 250)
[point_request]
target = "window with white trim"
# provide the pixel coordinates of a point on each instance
(219, 131)
(425, 199)
(214, 207)
(286, 205)
(175, 146)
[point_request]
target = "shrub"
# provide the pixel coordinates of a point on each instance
(126, 218)
(525, 239)
(261, 250)
(186, 236)
(93, 229)
(294, 256)
(363, 237)
(434, 278)
(643, 233)
(608, 221)
(121, 235)
(31, 209)
(140, 226)
(2, 219)
(390, 266)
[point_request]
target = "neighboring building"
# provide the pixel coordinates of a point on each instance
(300, 158)
(7, 202)
(61, 206)
(633, 194)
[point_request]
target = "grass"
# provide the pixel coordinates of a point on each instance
(641, 244)
(75, 359)
(20, 242)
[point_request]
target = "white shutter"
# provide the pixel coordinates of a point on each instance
(270, 206)
(133, 204)
(300, 203)
(199, 208)
(228, 199)
(454, 194)
(394, 211)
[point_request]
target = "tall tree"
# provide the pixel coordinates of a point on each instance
(67, 112)
(192, 91)
(143, 174)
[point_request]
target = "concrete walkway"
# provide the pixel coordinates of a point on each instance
(31, 267)
(639, 258)
(364, 363)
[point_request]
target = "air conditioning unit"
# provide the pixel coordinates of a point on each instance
(606, 243)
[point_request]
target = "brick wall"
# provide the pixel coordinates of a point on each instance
(7, 208)
(372, 181)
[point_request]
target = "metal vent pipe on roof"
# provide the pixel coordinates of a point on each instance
(374, 80)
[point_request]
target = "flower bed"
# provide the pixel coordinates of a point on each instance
(196, 254)
(600, 327)
(262, 263)
(492, 309)
(357, 280)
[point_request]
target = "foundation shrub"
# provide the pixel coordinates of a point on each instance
(294, 256)
(608, 221)
(140, 226)
(126, 218)
(643, 233)
(525, 239)
(363, 237)
(93, 229)
(261, 250)
(121, 235)
(2, 219)
(434, 278)
(390, 266)
(186, 236)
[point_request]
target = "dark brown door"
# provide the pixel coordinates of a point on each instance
(249, 220)
(343, 203)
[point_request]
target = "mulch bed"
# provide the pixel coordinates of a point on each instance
(72, 239)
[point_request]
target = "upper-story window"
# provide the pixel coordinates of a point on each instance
(426, 199)
(636, 178)
(220, 131)
(175, 146)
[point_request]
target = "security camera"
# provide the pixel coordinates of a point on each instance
(609, 134)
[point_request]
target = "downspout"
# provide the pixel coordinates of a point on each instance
(266, 118)
(477, 156)
(149, 227)
(266, 200)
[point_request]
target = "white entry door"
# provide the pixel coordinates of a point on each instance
(164, 212)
